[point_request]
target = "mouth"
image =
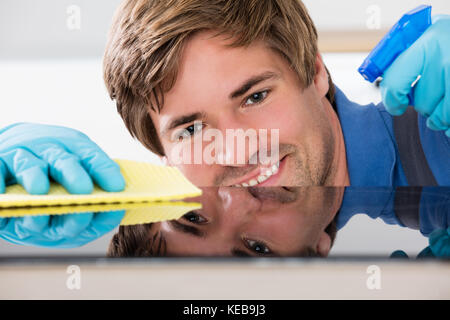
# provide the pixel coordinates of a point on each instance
(279, 194)
(262, 176)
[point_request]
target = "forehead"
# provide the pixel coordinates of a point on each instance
(205, 51)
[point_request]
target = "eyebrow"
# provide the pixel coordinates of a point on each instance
(182, 120)
(236, 252)
(248, 252)
(186, 229)
(253, 81)
(239, 253)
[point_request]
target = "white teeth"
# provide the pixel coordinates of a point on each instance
(262, 177)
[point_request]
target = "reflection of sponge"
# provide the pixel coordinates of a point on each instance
(136, 213)
(158, 212)
(144, 183)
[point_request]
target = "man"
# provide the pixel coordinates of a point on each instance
(246, 65)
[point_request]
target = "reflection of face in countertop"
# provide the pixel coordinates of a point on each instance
(254, 221)
(259, 221)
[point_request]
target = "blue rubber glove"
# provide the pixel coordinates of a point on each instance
(439, 246)
(59, 231)
(428, 57)
(440, 243)
(32, 153)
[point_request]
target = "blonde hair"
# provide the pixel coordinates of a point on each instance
(147, 36)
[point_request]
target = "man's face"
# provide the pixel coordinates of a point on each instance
(246, 88)
(255, 221)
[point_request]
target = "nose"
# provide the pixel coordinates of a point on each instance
(238, 208)
(239, 144)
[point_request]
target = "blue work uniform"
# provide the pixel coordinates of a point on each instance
(373, 157)
(425, 209)
(431, 210)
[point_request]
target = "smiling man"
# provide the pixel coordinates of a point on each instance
(182, 68)
(227, 65)
(179, 70)
(257, 84)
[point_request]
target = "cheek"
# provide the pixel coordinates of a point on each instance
(189, 158)
(286, 228)
(292, 116)
(201, 175)
(305, 124)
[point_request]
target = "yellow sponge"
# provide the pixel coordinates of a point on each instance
(136, 213)
(158, 212)
(144, 183)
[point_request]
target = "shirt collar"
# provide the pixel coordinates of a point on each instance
(370, 151)
(375, 202)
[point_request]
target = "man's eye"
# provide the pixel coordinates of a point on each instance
(194, 217)
(256, 98)
(189, 131)
(257, 247)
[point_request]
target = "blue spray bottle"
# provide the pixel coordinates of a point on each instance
(399, 38)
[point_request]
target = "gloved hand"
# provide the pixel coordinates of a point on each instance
(429, 57)
(59, 231)
(31, 153)
(440, 243)
(439, 246)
